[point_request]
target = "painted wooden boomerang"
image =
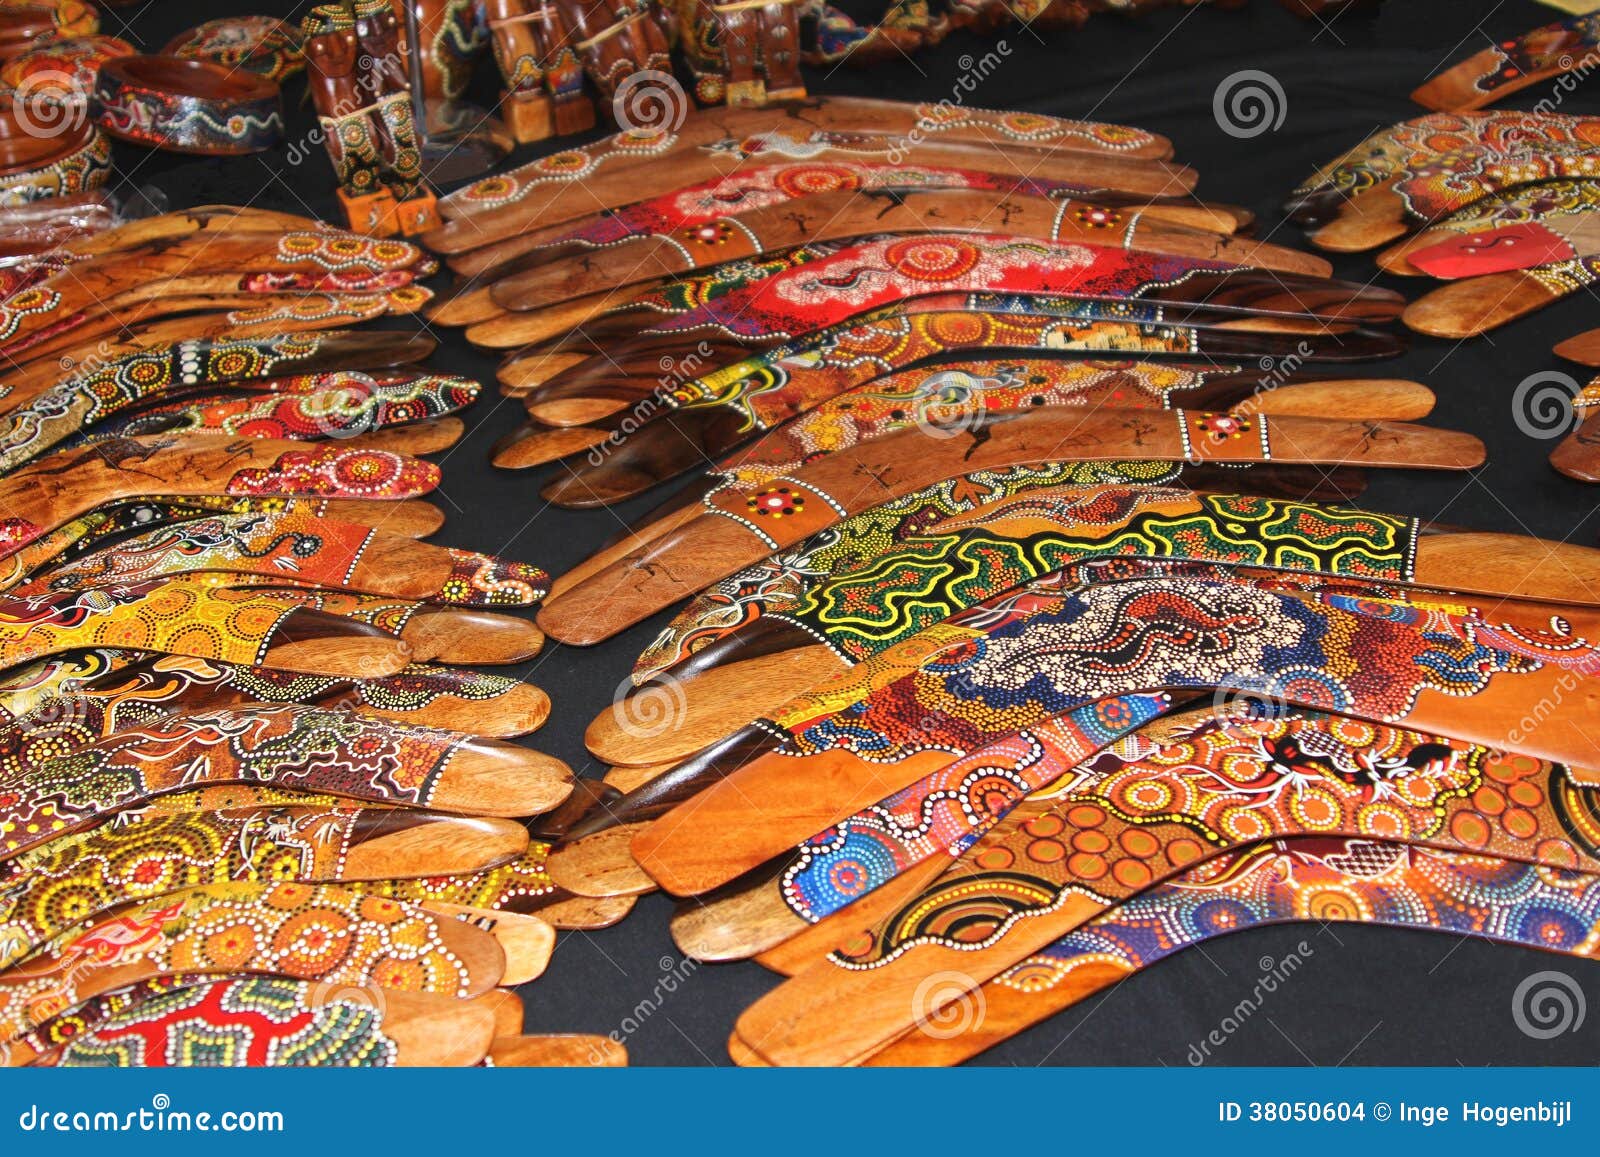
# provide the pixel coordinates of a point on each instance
(639, 306)
(219, 296)
(1477, 305)
(1413, 144)
(183, 850)
(572, 391)
(948, 392)
(571, 328)
(1276, 767)
(538, 192)
(598, 845)
(723, 539)
(776, 207)
(71, 701)
(1447, 184)
(612, 396)
(279, 1023)
(199, 619)
(889, 271)
(1391, 885)
(318, 932)
(1034, 917)
(803, 633)
(714, 414)
(307, 408)
(521, 886)
(429, 633)
(90, 532)
(184, 223)
(1578, 455)
(220, 225)
(270, 315)
(53, 490)
(766, 209)
(711, 128)
(869, 753)
(891, 337)
(1077, 173)
(860, 277)
(304, 749)
(167, 368)
(1493, 73)
(1515, 228)
(328, 405)
(71, 297)
(299, 546)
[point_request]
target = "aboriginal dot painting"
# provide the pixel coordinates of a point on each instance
(689, 216)
(301, 931)
(780, 580)
(299, 748)
(1323, 879)
(1422, 141)
(85, 399)
(690, 292)
(258, 1021)
(1271, 778)
(331, 472)
(174, 615)
(1048, 654)
(928, 579)
(774, 386)
(331, 405)
(293, 545)
(523, 885)
(878, 273)
(930, 397)
(49, 890)
(1560, 45)
(1524, 204)
(1301, 774)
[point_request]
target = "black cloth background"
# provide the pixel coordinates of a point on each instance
(1362, 995)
